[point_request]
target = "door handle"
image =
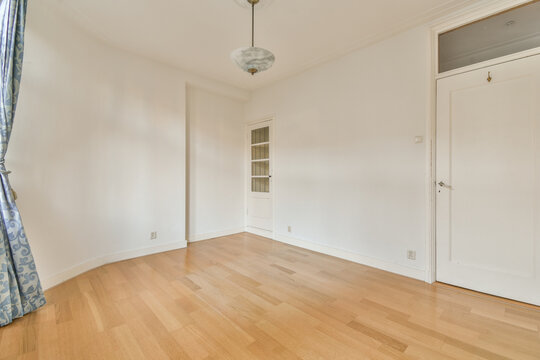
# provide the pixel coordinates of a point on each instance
(442, 184)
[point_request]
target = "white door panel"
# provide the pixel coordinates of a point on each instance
(487, 158)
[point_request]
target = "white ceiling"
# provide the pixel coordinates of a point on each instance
(198, 35)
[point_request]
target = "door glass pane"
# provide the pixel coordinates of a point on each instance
(260, 185)
(260, 168)
(260, 135)
(260, 160)
(260, 152)
(502, 34)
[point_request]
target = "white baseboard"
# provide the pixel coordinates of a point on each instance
(90, 264)
(260, 232)
(201, 237)
(354, 257)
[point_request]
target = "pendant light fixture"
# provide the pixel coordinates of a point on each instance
(252, 59)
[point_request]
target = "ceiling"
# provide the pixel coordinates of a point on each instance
(198, 35)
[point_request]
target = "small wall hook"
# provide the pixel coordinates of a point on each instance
(489, 78)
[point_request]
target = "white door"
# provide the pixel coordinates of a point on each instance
(488, 185)
(259, 199)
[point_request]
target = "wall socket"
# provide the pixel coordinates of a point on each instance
(289, 228)
(153, 235)
(411, 254)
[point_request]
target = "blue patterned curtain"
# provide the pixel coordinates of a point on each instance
(20, 289)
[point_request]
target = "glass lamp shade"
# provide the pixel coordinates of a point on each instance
(253, 59)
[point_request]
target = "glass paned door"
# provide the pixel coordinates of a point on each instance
(260, 164)
(260, 160)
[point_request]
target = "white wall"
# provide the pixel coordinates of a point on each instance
(215, 163)
(98, 151)
(348, 176)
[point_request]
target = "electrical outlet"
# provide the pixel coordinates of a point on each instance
(411, 254)
(289, 228)
(153, 235)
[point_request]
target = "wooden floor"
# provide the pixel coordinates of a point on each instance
(246, 297)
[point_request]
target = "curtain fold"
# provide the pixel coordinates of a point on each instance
(20, 288)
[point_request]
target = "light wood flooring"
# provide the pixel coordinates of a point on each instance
(247, 297)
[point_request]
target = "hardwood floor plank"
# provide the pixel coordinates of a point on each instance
(449, 340)
(380, 337)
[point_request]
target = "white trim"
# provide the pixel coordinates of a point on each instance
(490, 62)
(260, 120)
(481, 10)
(213, 235)
(354, 257)
(430, 249)
(87, 265)
(260, 232)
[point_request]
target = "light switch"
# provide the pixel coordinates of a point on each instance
(418, 139)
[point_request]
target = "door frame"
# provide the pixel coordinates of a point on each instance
(270, 119)
(457, 19)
